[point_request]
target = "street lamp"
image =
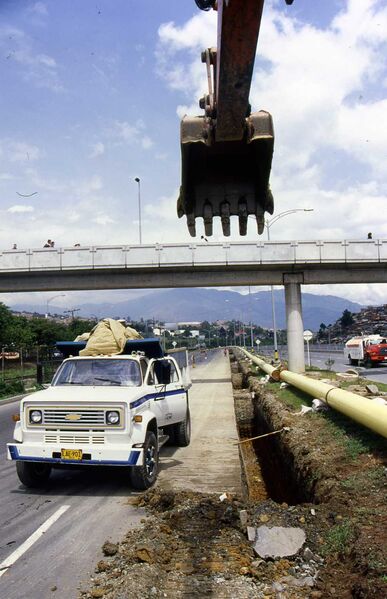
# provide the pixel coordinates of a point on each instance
(269, 223)
(72, 312)
(50, 300)
(138, 181)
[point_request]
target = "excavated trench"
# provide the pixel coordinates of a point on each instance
(269, 468)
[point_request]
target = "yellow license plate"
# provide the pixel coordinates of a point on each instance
(71, 454)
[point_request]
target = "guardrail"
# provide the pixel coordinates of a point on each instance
(263, 253)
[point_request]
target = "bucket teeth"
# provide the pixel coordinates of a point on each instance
(242, 214)
(269, 205)
(260, 224)
(260, 216)
(207, 218)
(191, 224)
(225, 218)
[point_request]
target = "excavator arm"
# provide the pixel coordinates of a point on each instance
(227, 152)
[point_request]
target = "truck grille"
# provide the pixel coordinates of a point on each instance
(73, 417)
(74, 439)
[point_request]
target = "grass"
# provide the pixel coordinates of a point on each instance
(291, 396)
(339, 539)
(11, 375)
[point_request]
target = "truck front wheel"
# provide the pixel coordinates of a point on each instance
(33, 474)
(143, 477)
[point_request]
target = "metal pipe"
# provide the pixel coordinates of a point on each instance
(358, 408)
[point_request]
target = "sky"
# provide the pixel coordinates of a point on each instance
(92, 94)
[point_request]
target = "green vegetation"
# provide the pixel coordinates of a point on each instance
(291, 396)
(340, 539)
(9, 389)
(20, 332)
(347, 319)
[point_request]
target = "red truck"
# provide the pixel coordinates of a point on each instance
(369, 350)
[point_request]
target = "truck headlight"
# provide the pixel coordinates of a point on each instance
(112, 417)
(35, 416)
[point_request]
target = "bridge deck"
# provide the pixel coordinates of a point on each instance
(190, 265)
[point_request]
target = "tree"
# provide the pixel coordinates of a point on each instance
(347, 319)
(5, 321)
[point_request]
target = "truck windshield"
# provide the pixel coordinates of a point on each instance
(99, 372)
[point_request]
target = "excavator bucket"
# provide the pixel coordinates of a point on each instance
(226, 178)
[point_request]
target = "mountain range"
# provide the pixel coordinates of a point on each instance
(198, 304)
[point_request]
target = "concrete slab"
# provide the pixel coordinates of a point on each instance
(211, 462)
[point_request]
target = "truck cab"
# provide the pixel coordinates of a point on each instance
(115, 410)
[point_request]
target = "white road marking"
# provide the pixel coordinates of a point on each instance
(9, 561)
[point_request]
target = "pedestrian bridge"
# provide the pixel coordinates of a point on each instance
(288, 263)
(193, 265)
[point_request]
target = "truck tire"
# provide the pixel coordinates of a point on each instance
(183, 431)
(143, 477)
(33, 474)
(352, 361)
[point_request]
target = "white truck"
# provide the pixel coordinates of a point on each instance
(104, 410)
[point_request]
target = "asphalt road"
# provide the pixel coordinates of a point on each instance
(377, 374)
(80, 509)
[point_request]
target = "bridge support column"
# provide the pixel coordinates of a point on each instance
(294, 324)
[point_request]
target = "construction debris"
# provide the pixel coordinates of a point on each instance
(278, 541)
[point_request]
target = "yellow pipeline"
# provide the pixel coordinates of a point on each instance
(362, 410)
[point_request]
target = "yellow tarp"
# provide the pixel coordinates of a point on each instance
(107, 338)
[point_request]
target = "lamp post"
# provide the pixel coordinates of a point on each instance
(269, 223)
(72, 312)
(50, 300)
(138, 181)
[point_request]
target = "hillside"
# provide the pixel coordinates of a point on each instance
(198, 304)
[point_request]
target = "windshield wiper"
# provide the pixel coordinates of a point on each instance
(112, 382)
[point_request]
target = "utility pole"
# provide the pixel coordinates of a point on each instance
(72, 312)
(138, 181)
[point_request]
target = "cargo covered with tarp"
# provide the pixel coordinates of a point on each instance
(107, 338)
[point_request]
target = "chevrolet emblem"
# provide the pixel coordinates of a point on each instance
(72, 417)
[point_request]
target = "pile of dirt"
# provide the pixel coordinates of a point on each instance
(196, 545)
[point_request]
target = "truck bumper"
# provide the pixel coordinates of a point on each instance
(103, 456)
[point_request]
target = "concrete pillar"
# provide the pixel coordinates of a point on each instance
(295, 327)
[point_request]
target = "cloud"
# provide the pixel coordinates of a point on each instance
(128, 133)
(20, 209)
(36, 67)
(90, 185)
(18, 151)
(97, 149)
(39, 8)
(103, 219)
(6, 177)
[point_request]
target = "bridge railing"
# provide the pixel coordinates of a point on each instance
(173, 255)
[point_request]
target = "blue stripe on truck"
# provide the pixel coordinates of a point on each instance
(141, 400)
(132, 459)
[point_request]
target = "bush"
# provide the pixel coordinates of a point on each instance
(8, 389)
